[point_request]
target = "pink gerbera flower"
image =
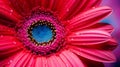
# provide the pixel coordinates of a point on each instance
(54, 33)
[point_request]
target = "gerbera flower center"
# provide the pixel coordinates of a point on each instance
(41, 32)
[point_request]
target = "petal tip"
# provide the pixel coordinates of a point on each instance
(113, 59)
(108, 9)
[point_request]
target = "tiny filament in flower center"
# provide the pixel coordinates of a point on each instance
(41, 32)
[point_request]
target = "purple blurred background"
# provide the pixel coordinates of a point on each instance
(114, 20)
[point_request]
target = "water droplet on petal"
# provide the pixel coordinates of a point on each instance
(72, 39)
(77, 33)
(93, 7)
(1, 36)
(67, 10)
(10, 61)
(14, 42)
(11, 12)
(68, 20)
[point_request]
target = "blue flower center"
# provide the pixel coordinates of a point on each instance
(42, 32)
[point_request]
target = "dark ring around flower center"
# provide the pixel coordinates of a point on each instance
(41, 33)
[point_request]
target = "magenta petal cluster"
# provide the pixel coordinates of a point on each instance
(55, 33)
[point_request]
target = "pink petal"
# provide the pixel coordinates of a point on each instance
(55, 61)
(88, 37)
(51, 4)
(6, 62)
(27, 60)
(8, 46)
(22, 7)
(47, 4)
(44, 4)
(4, 30)
(102, 26)
(72, 59)
(64, 59)
(107, 46)
(88, 18)
(111, 45)
(8, 14)
(91, 63)
(31, 62)
(61, 6)
(22, 60)
(17, 59)
(44, 60)
(94, 54)
(52, 62)
(28, 5)
(34, 3)
(66, 7)
(59, 61)
(58, 5)
(41, 62)
(91, 4)
(76, 7)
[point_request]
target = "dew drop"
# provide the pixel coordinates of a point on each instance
(93, 7)
(10, 62)
(68, 20)
(67, 10)
(14, 42)
(72, 39)
(11, 12)
(77, 33)
(1, 36)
